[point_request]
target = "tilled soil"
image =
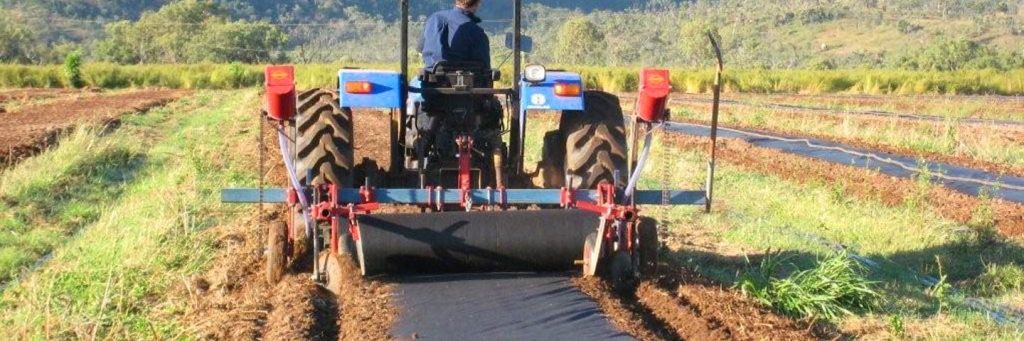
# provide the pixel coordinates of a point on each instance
(234, 301)
(241, 305)
(678, 304)
(859, 182)
(31, 129)
(23, 95)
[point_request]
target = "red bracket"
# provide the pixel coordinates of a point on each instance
(605, 205)
(291, 197)
(465, 144)
(333, 211)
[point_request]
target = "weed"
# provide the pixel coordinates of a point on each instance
(836, 287)
(923, 185)
(896, 327)
(940, 290)
(73, 69)
(999, 279)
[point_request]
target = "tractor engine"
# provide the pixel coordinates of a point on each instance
(453, 119)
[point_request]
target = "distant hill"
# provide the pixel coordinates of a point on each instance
(922, 34)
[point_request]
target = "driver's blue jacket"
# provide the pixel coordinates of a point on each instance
(453, 35)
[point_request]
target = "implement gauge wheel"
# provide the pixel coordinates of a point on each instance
(589, 145)
(330, 264)
(277, 238)
(649, 246)
(325, 139)
(622, 273)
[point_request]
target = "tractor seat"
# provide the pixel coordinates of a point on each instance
(447, 74)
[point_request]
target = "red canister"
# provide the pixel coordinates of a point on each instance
(653, 98)
(280, 92)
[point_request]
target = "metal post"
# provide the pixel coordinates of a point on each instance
(404, 57)
(397, 153)
(518, 118)
(710, 186)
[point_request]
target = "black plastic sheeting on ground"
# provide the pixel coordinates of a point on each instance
(498, 306)
(894, 166)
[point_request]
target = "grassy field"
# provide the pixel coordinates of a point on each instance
(618, 79)
(99, 235)
(904, 248)
(131, 227)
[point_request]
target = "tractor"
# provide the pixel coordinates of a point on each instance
(456, 144)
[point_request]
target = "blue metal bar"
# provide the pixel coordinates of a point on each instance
(479, 196)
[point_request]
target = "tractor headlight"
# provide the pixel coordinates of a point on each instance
(535, 73)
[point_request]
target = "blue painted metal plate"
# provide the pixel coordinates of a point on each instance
(387, 89)
(541, 96)
(479, 196)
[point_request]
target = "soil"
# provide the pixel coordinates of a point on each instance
(31, 129)
(678, 304)
(859, 182)
(24, 95)
(241, 305)
(238, 303)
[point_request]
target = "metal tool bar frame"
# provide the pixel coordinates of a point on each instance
(479, 196)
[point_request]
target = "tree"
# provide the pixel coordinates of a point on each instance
(18, 41)
(73, 69)
(120, 45)
(694, 43)
(580, 42)
(189, 31)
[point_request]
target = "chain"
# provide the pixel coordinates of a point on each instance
(664, 172)
(262, 165)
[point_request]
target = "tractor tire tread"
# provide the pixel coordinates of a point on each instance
(595, 140)
(325, 141)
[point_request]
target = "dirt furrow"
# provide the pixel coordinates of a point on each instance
(24, 95)
(33, 128)
(680, 306)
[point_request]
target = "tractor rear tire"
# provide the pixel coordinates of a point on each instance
(594, 140)
(325, 140)
(277, 238)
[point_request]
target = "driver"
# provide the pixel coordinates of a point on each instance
(453, 35)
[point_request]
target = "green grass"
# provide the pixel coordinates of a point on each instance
(836, 287)
(757, 212)
(953, 107)
(621, 79)
(112, 279)
(46, 199)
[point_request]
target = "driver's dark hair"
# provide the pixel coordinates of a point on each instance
(466, 3)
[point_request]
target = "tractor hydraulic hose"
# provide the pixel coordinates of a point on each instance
(639, 167)
(289, 164)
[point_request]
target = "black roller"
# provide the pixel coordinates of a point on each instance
(545, 240)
